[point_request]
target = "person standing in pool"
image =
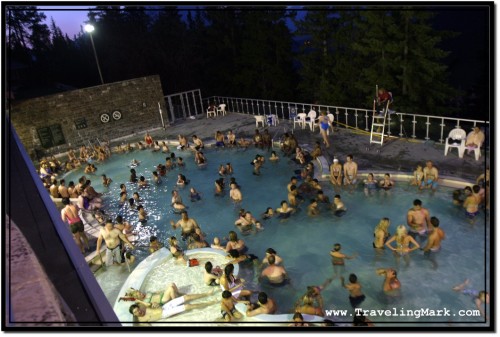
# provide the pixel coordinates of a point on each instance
(391, 285)
(338, 206)
(111, 237)
(235, 243)
(273, 273)
(434, 241)
(471, 205)
(403, 242)
(338, 259)
(356, 296)
(381, 233)
(284, 211)
(235, 193)
(418, 219)
(188, 225)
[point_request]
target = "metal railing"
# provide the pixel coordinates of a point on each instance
(416, 126)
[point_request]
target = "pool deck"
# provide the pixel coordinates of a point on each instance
(42, 304)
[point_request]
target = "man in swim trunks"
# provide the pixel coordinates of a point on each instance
(112, 237)
(430, 176)
(434, 241)
(338, 259)
(265, 305)
(70, 215)
(471, 205)
(356, 297)
(169, 304)
(274, 274)
(418, 219)
(350, 171)
(227, 308)
(338, 206)
(187, 224)
(391, 284)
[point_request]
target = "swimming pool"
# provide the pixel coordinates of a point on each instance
(303, 242)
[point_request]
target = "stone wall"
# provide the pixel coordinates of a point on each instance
(136, 99)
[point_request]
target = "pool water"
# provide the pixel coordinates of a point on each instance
(304, 242)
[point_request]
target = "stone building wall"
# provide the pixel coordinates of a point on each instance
(136, 99)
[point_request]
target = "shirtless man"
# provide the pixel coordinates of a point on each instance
(292, 196)
(293, 182)
(246, 220)
(312, 209)
(336, 173)
(471, 205)
(112, 237)
(350, 171)
(69, 214)
(198, 143)
(62, 189)
(169, 304)
(356, 297)
(235, 193)
(430, 176)
(434, 241)
(338, 206)
(265, 305)
(284, 211)
(54, 190)
(274, 274)
(187, 224)
(271, 252)
(418, 219)
(391, 284)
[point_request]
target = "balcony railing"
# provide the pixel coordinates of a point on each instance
(416, 126)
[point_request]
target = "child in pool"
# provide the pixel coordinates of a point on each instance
(216, 244)
(194, 195)
(418, 176)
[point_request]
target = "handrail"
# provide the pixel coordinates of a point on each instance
(421, 126)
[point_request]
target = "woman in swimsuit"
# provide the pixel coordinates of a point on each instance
(403, 241)
(234, 243)
(370, 184)
(229, 282)
(387, 183)
(69, 214)
(175, 250)
(381, 233)
(324, 124)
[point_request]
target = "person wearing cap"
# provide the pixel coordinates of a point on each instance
(336, 173)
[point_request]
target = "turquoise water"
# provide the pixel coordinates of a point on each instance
(303, 242)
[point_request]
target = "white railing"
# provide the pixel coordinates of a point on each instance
(400, 124)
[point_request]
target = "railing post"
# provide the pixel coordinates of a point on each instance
(356, 118)
(428, 123)
(248, 110)
(442, 131)
(366, 119)
(182, 105)
(401, 126)
(414, 125)
(346, 118)
(171, 108)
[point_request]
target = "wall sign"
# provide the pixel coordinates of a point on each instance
(104, 118)
(80, 123)
(117, 115)
(51, 136)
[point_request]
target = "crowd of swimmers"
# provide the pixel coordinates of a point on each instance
(421, 232)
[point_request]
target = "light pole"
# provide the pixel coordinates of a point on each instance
(89, 29)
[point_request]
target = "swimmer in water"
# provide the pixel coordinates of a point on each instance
(285, 211)
(391, 284)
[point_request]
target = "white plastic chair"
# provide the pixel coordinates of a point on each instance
(272, 120)
(311, 119)
(260, 120)
(457, 139)
(300, 119)
(211, 113)
(221, 109)
(331, 118)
